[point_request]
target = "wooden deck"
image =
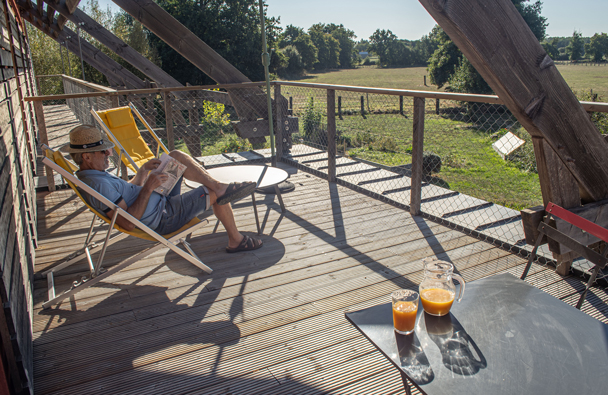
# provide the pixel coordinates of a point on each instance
(269, 321)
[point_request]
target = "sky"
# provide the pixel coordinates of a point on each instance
(407, 19)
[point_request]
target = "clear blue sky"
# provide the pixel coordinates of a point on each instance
(408, 19)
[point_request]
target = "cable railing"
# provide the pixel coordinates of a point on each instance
(461, 159)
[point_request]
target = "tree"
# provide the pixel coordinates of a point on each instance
(551, 48)
(448, 59)
(576, 47)
(380, 42)
(346, 41)
(328, 47)
(230, 27)
(597, 47)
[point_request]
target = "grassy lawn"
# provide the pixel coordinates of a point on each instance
(469, 163)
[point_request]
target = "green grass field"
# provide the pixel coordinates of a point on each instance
(578, 77)
(469, 163)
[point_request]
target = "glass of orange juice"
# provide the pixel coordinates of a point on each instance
(405, 309)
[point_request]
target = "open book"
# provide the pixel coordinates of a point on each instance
(172, 168)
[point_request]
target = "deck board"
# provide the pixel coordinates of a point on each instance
(269, 321)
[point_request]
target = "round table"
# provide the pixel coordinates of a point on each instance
(265, 176)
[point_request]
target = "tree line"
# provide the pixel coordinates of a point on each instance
(232, 28)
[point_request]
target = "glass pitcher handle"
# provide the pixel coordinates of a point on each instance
(462, 285)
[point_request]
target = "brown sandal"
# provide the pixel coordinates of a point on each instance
(247, 244)
(235, 191)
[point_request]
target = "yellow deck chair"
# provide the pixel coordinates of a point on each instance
(57, 162)
(120, 126)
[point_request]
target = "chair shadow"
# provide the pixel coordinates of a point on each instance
(161, 318)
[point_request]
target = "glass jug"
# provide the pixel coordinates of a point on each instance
(437, 291)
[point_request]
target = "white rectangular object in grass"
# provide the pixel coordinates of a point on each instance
(507, 144)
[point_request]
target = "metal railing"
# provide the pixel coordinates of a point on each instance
(462, 160)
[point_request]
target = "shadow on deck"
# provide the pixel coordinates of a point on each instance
(268, 321)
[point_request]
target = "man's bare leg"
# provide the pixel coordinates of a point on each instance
(226, 216)
(195, 172)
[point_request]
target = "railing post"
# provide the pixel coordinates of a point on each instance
(400, 105)
(44, 139)
(278, 131)
(331, 135)
(417, 155)
(169, 120)
(363, 105)
(340, 107)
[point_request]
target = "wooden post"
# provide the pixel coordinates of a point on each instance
(557, 186)
(528, 83)
(331, 135)
(400, 105)
(437, 106)
(340, 107)
(279, 111)
(169, 121)
(417, 155)
(425, 80)
(44, 139)
(363, 105)
(290, 105)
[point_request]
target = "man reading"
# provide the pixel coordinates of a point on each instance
(90, 149)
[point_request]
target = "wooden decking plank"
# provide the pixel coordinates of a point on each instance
(319, 241)
(333, 292)
(291, 275)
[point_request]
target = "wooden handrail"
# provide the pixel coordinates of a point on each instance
(489, 99)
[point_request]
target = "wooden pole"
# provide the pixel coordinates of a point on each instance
(559, 187)
(499, 44)
(280, 111)
(417, 155)
(44, 139)
(400, 105)
(340, 107)
(169, 121)
(331, 135)
(363, 105)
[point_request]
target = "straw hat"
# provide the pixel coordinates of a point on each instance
(86, 138)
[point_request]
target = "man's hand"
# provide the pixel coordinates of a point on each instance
(150, 165)
(155, 180)
(142, 173)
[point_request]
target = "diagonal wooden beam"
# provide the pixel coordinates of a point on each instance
(116, 45)
(499, 43)
(90, 54)
(72, 5)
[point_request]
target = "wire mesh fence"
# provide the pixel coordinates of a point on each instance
(478, 164)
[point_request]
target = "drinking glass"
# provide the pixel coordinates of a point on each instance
(405, 309)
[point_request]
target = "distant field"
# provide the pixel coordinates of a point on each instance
(578, 77)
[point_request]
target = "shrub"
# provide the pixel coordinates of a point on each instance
(431, 163)
(313, 131)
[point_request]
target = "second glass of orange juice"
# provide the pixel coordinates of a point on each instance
(405, 309)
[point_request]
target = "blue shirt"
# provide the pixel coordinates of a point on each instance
(116, 189)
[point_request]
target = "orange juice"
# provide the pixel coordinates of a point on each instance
(436, 301)
(404, 316)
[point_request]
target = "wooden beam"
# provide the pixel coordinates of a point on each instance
(116, 45)
(557, 186)
(186, 43)
(95, 57)
(71, 5)
(61, 20)
(499, 44)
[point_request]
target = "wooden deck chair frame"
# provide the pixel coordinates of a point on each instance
(96, 274)
(122, 152)
(581, 224)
